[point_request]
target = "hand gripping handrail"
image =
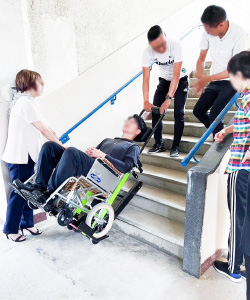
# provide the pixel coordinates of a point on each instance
(65, 137)
(201, 141)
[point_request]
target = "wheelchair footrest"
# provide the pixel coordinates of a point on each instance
(86, 229)
(83, 227)
(96, 241)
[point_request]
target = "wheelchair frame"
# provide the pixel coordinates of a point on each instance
(72, 209)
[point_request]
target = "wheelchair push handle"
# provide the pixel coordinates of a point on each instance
(155, 110)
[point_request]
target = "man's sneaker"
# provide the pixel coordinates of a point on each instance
(243, 274)
(174, 152)
(36, 197)
(222, 267)
(22, 186)
(157, 148)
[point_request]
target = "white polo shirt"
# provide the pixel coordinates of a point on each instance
(23, 137)
(221, 50)
(165, 60)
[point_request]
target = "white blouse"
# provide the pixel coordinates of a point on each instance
(24, 139)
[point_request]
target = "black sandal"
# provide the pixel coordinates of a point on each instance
(17, 239)
(33, 233)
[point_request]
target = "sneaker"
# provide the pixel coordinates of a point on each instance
(243, 274)
(157, 148)
(222, 268)
(174, 152)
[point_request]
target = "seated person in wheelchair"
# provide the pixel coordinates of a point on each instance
(55, 164)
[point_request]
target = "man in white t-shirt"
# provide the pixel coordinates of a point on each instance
(173, 82)
(223, 39)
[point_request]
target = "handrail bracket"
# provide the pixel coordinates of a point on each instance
(195, 159)
(112, 101)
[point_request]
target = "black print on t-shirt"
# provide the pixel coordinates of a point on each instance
(167, 63)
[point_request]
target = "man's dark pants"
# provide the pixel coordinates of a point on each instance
(216, 96)
(180, 98)
(67, 163)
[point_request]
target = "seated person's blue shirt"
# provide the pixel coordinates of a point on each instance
(122, 153)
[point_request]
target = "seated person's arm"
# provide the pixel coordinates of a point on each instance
(129, 161)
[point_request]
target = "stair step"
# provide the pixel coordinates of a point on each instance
(190, 103)
(194, 73)
(189, 116)
(208, 64)
(164, 160)
(186, 144)
(159, 201)
(160, 232)
(192, 92)
(191, 128)
(171, 180)
(192, 81)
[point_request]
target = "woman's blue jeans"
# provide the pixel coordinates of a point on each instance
(18, 211)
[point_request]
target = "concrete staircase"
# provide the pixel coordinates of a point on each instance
(156, 214)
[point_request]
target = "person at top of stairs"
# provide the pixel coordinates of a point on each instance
(224, 39)
(173, 82)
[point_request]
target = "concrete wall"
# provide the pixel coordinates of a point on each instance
(65, 106)
(14, 55)
(69, 37)
(64, 40)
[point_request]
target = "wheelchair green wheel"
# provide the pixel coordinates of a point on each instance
(100, 218)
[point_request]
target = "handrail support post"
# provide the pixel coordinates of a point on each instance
(112, 101)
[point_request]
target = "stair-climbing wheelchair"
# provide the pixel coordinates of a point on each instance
(89, 205)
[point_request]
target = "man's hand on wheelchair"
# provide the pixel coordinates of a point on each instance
(148, 106)
(95, 153)
(165, 106)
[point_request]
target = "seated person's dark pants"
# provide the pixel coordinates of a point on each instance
(67, 163)
(216, 96)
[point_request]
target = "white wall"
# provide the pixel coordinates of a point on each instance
(216, 214)
(64, 107)
(69, 37)
(73, 101)
(14, 55)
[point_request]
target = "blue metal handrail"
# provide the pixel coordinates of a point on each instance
(65, 137)
(201, 141)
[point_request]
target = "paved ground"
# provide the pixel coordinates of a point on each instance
(60, 264)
